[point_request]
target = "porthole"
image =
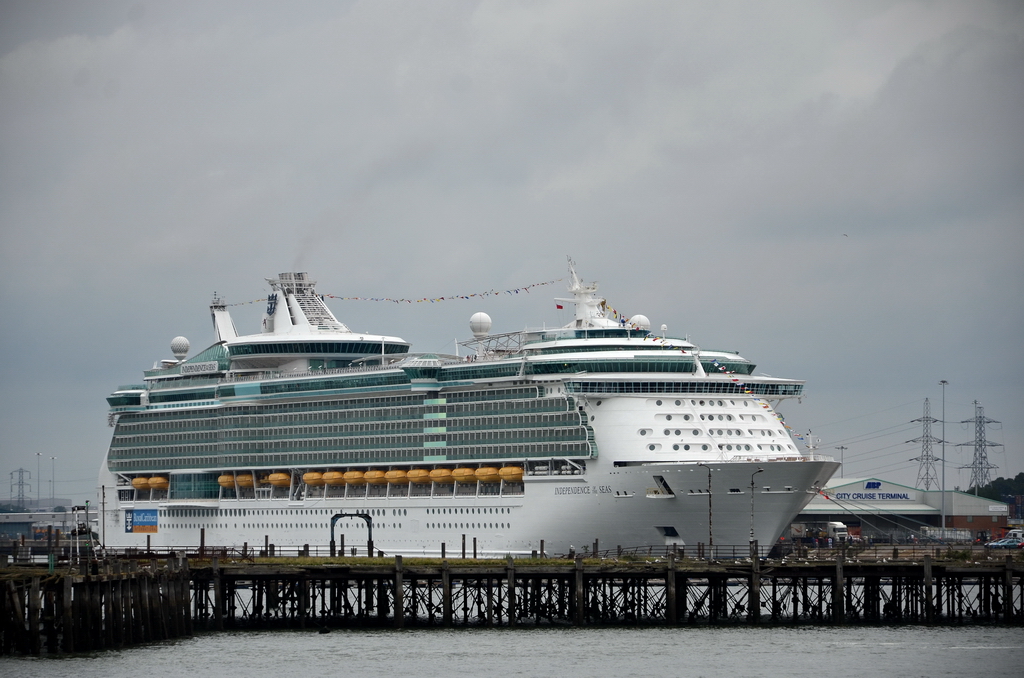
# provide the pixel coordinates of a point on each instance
(678, 432)
(696, 432)
(678, 403)
(704, 447)
(599, 403)
(658, 403)
(702, 403)
(643, 432)
(675, 447)
(651, 447)
(668, 417)
(686, 447)
(667, 432)
(686, 417)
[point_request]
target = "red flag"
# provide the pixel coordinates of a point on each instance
(558, 306)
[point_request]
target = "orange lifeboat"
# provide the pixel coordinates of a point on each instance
(334, 478)
(418, 475)
(313, 479)
(227, 481)
(355, 478)
(464, 475)
(487, 474)
(442, 475)
(280, 479)
(511, 473)
(245, 480)
(158, 483)
(397, 477)
(140, 483)
(375, 477)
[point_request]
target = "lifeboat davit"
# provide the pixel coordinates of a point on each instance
(334, 478)
(245, 480)
(418, 475)
(280, 479)
(375, 477)
(355, 478)
(226, 481)
(442, 475)
(158, 483)
(140, 483)
(464, 475)
(511, 473)
(397, 477)
(487, 474)
(313, 479)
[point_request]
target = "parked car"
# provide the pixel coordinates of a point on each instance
(1011, 543)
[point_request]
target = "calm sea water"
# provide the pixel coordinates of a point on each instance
(903, 652)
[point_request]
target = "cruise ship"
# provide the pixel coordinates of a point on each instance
(540, 440)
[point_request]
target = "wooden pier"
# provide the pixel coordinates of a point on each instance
(120, 603)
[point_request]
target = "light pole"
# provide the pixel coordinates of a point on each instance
(39, 482)
(760, 470)
(53, 476)
(711, 534)
(943, 384)
(842, 466)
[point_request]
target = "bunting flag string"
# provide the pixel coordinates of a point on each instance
(432, 300)
(721, 368)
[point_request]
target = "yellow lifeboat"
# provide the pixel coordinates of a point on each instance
(279, 479)
(464, 475)
(487, 474)
(334, 478)
(397, 477)
(375, 477)
(140, 483)
(245, 480)
(442, 475)
(354, 478)
(158, 483)
(418, 475)
(511, 473)
(313, 479)
(226, 481)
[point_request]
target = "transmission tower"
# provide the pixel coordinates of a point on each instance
(980, 467)
(20, 484)
(926, 468)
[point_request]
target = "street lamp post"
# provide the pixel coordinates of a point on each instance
(53, 476)
(760, 470)
(842, 466)
(943, 384)
(711, 533)
(39, 482)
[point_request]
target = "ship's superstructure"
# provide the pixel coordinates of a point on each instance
(600, 430)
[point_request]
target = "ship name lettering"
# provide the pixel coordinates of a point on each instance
(572, 489)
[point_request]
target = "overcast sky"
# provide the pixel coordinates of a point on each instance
(835, 190)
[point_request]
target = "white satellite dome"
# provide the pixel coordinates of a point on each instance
(480, 324)
(641, 321)
(179, 347)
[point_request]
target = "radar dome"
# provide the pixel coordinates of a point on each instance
(480, 324)
(179, 347)
(641, 321)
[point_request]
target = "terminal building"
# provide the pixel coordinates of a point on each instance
(874, 509)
